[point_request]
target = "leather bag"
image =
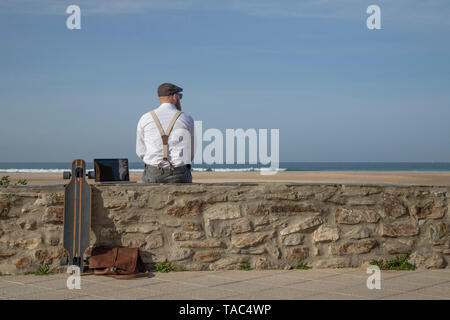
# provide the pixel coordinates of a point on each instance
(119, 263)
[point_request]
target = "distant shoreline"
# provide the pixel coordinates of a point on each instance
(339, 177)
(138, 167)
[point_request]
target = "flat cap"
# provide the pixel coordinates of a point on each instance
(167, 89)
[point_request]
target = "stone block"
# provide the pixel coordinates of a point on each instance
(240, 226)
(177, 254)
(154, 241)
(325, 234)
(298, 254)
(190, 235)
(190, 208)
(22, 263)
(358, 232)
(293, 239)
(338, 262)
(192, 226)
(29, 243)
(355, 216)
(398, 246)
(207, 256)
(142, 228)
(53, 215)
(354, 247)
(228, 263)
(202, 244)
(281, 209)
(249, 239)
(393, 206)
(302, 225)
(398, 229)
(362, 201)
(439, 233)
(220, 212)
(250, 251)
(431, 211)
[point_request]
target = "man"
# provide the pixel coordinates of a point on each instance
(165, 139)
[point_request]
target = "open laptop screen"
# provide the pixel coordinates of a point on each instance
(111, 170)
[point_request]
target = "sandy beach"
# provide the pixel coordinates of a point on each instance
(357, 177)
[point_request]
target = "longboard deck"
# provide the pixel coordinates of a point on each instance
(77, 214)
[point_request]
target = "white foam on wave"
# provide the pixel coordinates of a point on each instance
(139, 170)
(235, 169)
(33, 170)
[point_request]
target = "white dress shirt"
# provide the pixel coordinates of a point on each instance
(149, 145)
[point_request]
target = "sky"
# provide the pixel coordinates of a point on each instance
(336, 90)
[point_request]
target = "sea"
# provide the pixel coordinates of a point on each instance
(45, 167)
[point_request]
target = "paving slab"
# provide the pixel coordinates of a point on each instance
(100, 290)
(410, 296)
(195, 294)
(364, 292)
(283, 293)
(334, 296)
(243, 287)
(21, 290)
(210, 280)
(54, 295)
(320, 284)
(422, 279)
(435, 291)
(168, 288)
(279, 280)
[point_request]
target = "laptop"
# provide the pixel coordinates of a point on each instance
(111, 170)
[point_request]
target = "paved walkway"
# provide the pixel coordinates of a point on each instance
(236, 285)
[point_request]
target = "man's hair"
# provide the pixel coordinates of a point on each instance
(168, 89)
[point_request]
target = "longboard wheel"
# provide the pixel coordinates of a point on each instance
(91, 174)
(67, 175)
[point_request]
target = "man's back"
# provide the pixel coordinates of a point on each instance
(149, 146)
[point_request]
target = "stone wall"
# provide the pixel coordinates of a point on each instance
(221, 226)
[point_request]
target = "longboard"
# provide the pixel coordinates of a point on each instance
(77, 213)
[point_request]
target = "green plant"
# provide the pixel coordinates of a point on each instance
(22, 182)
(245, 266)
(4, 181)
(399, 263)
(302, 266)
(164, 267)
(43, 270)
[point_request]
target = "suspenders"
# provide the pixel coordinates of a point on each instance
(165, 136)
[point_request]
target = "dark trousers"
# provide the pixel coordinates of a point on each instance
(165, 175)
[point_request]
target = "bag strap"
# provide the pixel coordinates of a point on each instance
(165, 134)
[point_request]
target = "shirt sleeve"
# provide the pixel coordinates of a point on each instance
(140, 144)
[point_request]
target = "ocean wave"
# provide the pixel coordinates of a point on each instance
(33, 170)
(235, 169)
(141, 170)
